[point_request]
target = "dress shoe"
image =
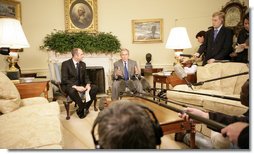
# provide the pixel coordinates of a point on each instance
(86, 112)
(80, 113)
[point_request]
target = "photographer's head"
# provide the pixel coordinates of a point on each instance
(127, 125)
(244, 94)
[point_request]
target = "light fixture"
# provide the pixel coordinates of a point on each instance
(12, 37)
(178, 40)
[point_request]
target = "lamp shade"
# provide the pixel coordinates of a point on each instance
(11, 34)
(178, 39)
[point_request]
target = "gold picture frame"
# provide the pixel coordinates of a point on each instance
(147, 31)
(10, 9)
(81, 15)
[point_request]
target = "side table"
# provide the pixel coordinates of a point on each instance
(150, 71)
(34, 88)
(147, 73)
(172, 79)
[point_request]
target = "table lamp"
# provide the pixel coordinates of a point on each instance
(13, 38)
(178, 40)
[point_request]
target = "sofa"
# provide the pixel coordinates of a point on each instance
(31, 123)
(230, 87)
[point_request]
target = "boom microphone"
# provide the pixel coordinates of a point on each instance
(180, 73)
(224, 77)
(198, 93)
(186, 55)
(211, 123)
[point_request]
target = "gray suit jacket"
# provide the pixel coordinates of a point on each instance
(131, 68)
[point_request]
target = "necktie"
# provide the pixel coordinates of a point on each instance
(78, 73)
(215, 32)
(126, 74)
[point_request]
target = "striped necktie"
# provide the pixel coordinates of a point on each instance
(215, 32)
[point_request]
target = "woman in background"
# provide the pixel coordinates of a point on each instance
(242, 48)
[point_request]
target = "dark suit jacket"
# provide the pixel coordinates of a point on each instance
(227, 119)
(69, 75)
(218, 49)
(243, 139)
(242, 38)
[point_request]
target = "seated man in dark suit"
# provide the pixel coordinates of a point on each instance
(75, 80)
(126, 74)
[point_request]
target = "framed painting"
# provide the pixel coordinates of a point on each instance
(10, 9)
(81, 15)
(147, 31)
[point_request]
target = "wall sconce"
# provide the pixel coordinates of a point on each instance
(178, 40)
(12, 37)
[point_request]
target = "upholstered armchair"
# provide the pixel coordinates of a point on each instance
(27, 123)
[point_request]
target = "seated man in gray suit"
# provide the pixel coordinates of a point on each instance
(126, 74)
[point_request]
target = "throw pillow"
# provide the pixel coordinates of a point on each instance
(9, 95)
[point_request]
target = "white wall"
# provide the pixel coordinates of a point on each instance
(40, 17)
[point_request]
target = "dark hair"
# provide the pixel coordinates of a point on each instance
(126, 125)
(244, 94)
(200, 34)
(246, 16)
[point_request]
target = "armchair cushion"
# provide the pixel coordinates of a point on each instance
(33, 101)
(9, 95)
(33, 126)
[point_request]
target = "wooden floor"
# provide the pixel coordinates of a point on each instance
(77, 132)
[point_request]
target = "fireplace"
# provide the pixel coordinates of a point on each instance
(97, 77)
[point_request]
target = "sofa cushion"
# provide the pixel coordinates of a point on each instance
(33, 126)
(228, 86)
(226, 106)
(33, 101)
(209, 71)
(9, 95)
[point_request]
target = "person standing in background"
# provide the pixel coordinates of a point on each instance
(200, 36)
(218, 41)
(241, 52)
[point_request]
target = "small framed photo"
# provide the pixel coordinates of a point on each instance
(147, 31)
(81, 15)
(10, 9)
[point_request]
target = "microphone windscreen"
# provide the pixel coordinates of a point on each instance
(186, 55)
(102, 103)
(4, 51)
(180, 73)
(131, 86)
